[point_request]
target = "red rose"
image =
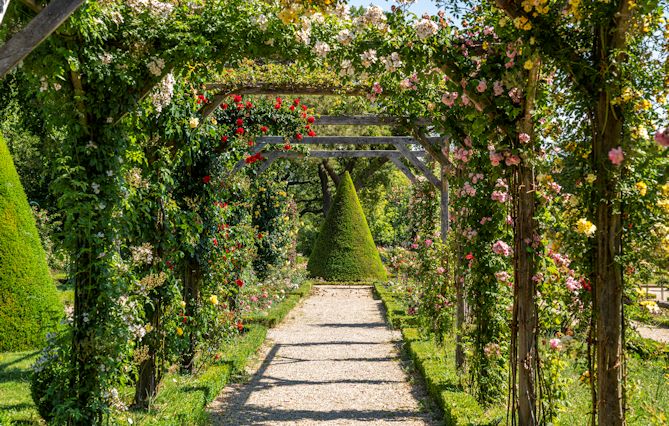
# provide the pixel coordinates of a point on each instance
(311, 133)
(224, 139)
(287, 147)
(240, 130)
(215, 241)
(292, 108)
(206, 179)
(296, 101)
(260, 236)
(249, 105)
(304, 107)
(251, 143)
(278, 100)
(277, 106)
(310, 120)
(264, 129)
(239, 283)
(298, 136)
(240, 326)
(240, 106)
(237, 98)
(224, 106)
(469, 256)
(185, 319)
(201, 99)
(240, 122)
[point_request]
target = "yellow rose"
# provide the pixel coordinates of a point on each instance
(213, 299)
(148, 328)
(528, 65)
(183, 304)
(642, 188)
(665, 189)
(585, 227)
(590, 178)
(194, 122)
(180, 331)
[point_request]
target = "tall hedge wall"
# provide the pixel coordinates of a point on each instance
(29, 303)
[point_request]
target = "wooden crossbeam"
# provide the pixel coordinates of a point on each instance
(38, 29)
(368, 120)
(344, 140)
(413, 159)
(337, 154)
(403, 168)
(288, 89)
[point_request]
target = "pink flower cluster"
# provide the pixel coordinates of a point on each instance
(462, 154)
(500, 196)
(449, 98)
(662, 137)
(502, 276)
(616, 156)
(501, 248)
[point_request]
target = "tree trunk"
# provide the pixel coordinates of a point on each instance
(147, 383)
(192, 285)
(327, 198)
(524, 227)
(608, 280)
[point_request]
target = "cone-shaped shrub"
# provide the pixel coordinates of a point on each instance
(345, 249)
(29, 303)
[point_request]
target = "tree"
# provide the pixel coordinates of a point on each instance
(345, 250)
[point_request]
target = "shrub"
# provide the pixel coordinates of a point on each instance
(345, 249)
(29, 304)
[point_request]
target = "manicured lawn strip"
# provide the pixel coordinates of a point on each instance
(182, 400)
(436, 365)
(16, 405)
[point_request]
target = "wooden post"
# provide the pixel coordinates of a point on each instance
(46, 22)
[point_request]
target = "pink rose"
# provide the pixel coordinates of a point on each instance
(512, 160)
(482, 86)
(497, 88)
(616, 156)
(572, 284)
(428, 243)
(524, 138)
(376, 87)
(496, 158)
(501, 248)
(500, 196)
(502, 276)
(440, 270)
(662, 137)
(555, 343)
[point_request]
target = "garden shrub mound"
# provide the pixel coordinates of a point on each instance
(345, 249)
(29, 303)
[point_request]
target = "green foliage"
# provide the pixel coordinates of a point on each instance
(277, 313)
(345, 250)
(29, 304)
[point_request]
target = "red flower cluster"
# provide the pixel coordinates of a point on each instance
(237, 98)
(239, 283)
(287, 147)
(206, 179)
(253, 158)
(201, 99)
(264, 129)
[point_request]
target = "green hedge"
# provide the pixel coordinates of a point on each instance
(29, 303)
(345, 249)
(437, 367)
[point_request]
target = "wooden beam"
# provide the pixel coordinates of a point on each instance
(368, 120)
(413, 159)
(403, 168)
(287, 89)
(38, 29)
(265, 165)
(343, 140)
(338, 154)
(426, 143)
(216, 100)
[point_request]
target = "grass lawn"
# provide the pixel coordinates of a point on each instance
(16, 405)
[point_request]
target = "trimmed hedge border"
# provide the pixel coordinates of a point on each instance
(436, 366)
(177, 391)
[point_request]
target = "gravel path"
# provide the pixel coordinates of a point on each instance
(648, 332)
(332, 362)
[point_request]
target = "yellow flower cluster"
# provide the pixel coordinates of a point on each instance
(585, 227)
(574, 6)
(213, 299)
(522, 23)
(540, 6)
(642, 188)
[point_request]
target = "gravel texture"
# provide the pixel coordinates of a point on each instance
(332, 362)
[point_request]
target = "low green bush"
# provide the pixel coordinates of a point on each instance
(436, 365)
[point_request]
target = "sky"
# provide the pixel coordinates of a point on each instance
(419, 7)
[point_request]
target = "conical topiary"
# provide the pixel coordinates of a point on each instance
(29, 303)
(345, 249)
